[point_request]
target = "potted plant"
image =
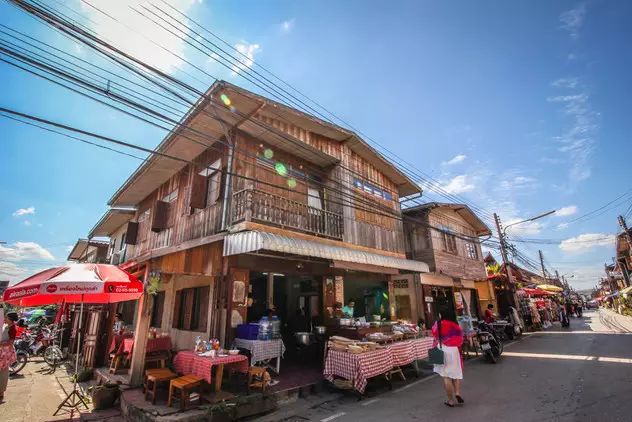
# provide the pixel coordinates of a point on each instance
(104, 395)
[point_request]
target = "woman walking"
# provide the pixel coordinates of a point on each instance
(7, 352)
(449, 337)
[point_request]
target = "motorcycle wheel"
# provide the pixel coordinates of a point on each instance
(489, 357)
(19, 364)
(53, 355)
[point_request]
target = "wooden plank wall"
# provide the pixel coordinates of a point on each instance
(361, 225)
(427, 245)
(184, 223)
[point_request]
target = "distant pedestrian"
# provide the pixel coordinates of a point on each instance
(449, 335)
(7, 352)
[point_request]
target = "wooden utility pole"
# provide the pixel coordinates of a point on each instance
(542, 265)
(503, 247)
(626, 232)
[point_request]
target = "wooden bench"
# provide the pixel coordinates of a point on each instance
(153, 377)
(185, 384)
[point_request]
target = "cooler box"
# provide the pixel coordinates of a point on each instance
(248, 331)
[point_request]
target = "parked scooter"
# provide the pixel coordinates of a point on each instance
(22, 358)
(489, 342)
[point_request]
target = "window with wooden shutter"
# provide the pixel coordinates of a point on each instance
(202, 307)
(177, 315)
(132, 233)
(214, 188)
(191, 309)
(198, 191)
(157, 310)
(160, 218)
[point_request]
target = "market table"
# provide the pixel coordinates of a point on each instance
(421, 346)
(262, 350)
(117, 341)
(189, 362)
(157, 344)
(357, 367)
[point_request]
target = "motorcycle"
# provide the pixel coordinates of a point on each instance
(489, 342)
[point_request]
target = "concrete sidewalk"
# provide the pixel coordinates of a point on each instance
(33, 395)
(609, 320)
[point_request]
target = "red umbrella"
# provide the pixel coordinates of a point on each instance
(75, 283)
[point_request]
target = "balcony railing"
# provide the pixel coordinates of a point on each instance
(256, 205)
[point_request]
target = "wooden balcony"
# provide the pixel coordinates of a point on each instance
(256, 205)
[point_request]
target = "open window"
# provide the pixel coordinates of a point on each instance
(206, 186)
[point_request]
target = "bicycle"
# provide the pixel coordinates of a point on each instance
(54, 354)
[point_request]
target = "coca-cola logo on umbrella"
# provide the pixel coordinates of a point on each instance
(51, 288)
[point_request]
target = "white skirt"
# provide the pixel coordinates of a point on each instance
(451, 367)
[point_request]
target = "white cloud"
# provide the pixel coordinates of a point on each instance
(458, 184)
(145, 37)
(11, 271)
(562, 226)
(566, 211)
(569, 83)
(21, 251)
(456, 159)
(247, 50)
(578, 140)
(288, 25)
(518, 182)
(24, 211)
(587, 241)
(573, 19)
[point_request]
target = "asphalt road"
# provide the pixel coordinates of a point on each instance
(581, 374)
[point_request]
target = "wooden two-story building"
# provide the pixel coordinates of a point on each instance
(446, 237)
(249, 204)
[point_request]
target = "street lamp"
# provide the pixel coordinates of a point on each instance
(527, 220)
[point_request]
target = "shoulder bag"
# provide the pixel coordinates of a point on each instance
(435, 355)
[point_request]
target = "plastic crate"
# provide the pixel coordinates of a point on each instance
(248, 331)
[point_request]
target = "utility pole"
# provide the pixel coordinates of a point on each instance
(542, 264)
(503, 248)
(624, 226)
(557, 277)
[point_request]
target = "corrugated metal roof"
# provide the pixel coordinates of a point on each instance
(252, 241)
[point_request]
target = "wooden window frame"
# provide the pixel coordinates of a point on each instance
(157, 310)
(191, 309)
(471, 251)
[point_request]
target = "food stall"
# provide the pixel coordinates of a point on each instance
(382, 351)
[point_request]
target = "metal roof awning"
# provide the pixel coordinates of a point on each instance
(253, 241)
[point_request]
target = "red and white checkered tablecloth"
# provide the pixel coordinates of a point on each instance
(261, 350)
(117, 341)
(421, 347)
(403, 352)
(153, 345)
(188, 362)
(357, 367)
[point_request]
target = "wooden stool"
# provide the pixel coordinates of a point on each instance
(159, 359)
(185, 384)
(115, 362)
(153, 377)
(258, 377)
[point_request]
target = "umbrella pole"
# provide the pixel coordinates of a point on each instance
(75, 398)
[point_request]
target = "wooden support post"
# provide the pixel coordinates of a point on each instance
(270, 290)
(141, 329)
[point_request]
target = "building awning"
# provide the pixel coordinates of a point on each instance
(253, 241)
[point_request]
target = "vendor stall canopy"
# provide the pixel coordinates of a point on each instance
(253, 241)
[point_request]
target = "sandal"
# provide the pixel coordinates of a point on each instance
(459, 399)
(447, 403)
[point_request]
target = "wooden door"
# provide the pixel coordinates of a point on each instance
(93, 343)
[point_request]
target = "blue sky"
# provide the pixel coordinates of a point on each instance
(519, 107)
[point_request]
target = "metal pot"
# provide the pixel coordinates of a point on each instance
(303, 338)
(320, 329)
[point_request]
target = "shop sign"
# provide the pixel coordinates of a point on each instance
(429, 299)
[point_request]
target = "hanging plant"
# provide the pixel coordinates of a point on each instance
(153, 284)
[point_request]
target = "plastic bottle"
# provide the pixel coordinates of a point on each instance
(276, 327)
(264, 329)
